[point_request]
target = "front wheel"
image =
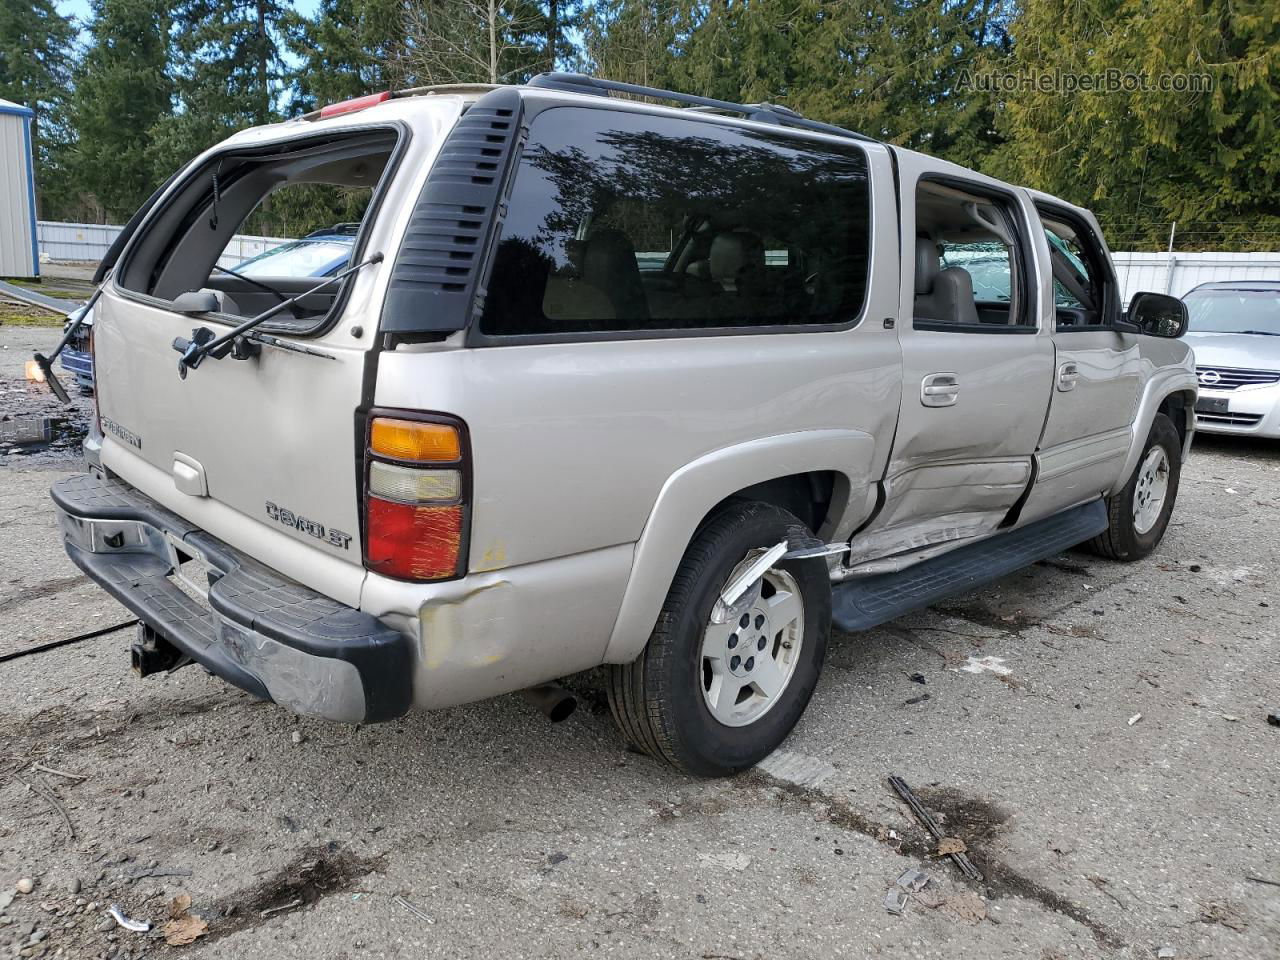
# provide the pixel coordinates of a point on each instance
(712, 698)
(1139, 514)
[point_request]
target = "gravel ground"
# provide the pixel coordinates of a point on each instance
(484, 831)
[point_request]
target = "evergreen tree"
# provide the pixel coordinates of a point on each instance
(122, 90)
(36, 44)
(348, 49)
(1142, 158)
(630, 40)
(228, 74)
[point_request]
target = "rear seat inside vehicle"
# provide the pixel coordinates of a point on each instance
(728, 277)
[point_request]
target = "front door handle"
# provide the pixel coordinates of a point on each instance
(1068, 374)
(939, 389)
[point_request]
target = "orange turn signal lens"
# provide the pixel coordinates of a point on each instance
(414, 440)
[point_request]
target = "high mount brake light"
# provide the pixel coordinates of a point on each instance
(352, 105)
(415, 499)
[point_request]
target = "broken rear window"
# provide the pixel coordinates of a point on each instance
(258, 226)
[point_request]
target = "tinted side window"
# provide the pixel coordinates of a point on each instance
(634, 222)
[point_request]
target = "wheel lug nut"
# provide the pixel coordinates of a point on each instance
(760, 644)
(734, 663)
(751, 662)
(733, 640)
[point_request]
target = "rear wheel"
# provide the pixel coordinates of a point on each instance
(1139, 514)
(713, 698)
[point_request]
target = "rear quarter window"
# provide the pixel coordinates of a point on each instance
(622, 222)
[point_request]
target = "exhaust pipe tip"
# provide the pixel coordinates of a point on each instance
(554, 701)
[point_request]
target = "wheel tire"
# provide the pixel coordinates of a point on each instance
(1122, 540)
(658, 700)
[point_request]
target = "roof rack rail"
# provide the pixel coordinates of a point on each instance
(762, 112)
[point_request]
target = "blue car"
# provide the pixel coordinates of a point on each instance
(319, 254)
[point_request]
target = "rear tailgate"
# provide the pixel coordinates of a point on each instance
(263, 453)
(274, 437)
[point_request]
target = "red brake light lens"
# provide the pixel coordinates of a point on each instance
(356, 103)
(413, 542)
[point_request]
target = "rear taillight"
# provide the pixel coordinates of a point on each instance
(416, 489)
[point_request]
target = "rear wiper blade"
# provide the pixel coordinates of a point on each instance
(205, 343)
(249, 280)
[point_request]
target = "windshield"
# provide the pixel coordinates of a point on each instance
(1234, 311)
(302, 258)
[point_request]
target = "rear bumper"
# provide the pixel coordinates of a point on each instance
(266, 634)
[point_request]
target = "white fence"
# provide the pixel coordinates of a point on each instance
(1174, 273)
(89, 242)
(1177, 273)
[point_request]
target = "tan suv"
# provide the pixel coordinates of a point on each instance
(606, 382)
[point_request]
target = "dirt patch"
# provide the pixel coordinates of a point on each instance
(974, 820)
(1066, 566)
(981, 615)
(978, 823)
(313, 876)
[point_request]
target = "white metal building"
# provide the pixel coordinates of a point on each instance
(19, 256)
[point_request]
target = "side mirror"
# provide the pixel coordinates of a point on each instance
(1156, 315)
(196, 301)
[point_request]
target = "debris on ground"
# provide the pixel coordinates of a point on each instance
(727, 861)
(137, 926)
(895, 900)
(418, 911)
(968, 907)
(1134, 719)
(1273, 717)
(959, 858)
(1166, 953)
(183, 926)
(1224, 914)
(949, 845)
(913, 880)
(986, 665)
(25, 885)
(26, 430)
(291, 905)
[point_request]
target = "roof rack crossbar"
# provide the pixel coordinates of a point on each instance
(762, 112)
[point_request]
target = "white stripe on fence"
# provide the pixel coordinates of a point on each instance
(88, 242)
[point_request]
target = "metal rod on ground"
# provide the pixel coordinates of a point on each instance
(961, 860)
(53, 644)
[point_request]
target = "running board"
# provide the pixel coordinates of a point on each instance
(870, 601)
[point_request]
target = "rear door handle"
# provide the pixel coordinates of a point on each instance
(1068, 374)
(939, 389)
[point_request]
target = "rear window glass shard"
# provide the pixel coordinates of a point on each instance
(622, 222)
